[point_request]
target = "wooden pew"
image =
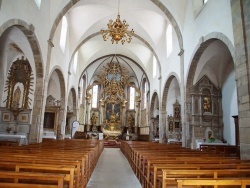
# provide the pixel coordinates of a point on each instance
(243, 182)
(170, 177)
(146, 160)
(76, 158)
(14, 179)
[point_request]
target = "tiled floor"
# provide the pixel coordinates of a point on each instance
(113, 171)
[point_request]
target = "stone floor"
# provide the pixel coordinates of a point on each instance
(113, 171)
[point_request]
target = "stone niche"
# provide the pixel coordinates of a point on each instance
(206, 110)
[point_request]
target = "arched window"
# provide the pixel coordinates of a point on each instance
(94, 96)
(154, 67)
(75, 62)
(169, 40)
(63, 33)
(131, 98)
(38, 3)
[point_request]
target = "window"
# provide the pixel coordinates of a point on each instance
(94, 96)
(63, 33)
(169, 40)
(38, 3)
(131, 98)
(154, 67)
(75, 62)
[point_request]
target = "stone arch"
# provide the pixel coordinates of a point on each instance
(200, 48)
(28, 31)
(154, 97)
(205, 42)
(71, 113)
(74, 94)
(164, 99)
(63, 109)
(166, 88)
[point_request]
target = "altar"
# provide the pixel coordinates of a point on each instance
(19, 138)
(207, 142)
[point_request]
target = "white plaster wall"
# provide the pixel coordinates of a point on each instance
(173, 95)
(230, 107)
(54, 88)
(42, 19)
(58, 57)
(70, 101)
(172, 63)
(215, 17)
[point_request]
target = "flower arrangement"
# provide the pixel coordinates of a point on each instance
(211, 139)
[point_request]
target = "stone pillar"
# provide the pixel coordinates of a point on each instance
(137, 116)
(183, 98)
(241, 32)
(161, 125)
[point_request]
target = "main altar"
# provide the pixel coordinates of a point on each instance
(111, 114)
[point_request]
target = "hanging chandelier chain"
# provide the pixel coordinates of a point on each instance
(118, 7)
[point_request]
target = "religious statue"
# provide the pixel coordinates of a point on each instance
(16, 97)
(93, 119)
(113, 118)
(206, 104)
(177, 112)
(170, 126)
(131, 120)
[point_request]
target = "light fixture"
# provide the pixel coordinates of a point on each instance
(118, 31)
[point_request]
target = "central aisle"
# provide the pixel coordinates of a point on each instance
(113, 171)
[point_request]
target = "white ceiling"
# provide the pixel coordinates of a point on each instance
(147, 20)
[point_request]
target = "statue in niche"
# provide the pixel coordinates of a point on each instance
(170, 126)
(93, 119)
(16, 97)
(177, 112)
(131, 121)
(206, 104)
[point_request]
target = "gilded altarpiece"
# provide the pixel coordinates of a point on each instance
(113, 81)
(16, 117)
(206, 110)
(174, 132)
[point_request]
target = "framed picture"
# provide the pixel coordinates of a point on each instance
(5, 116)
(23, 118)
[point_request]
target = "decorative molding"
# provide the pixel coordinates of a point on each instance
(51, 43)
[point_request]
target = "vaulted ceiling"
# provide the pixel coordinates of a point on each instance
(149, 19)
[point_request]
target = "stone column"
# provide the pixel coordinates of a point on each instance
(137, 115)
(241, 31)
(164, 122)
(183, 98)
(161, 125)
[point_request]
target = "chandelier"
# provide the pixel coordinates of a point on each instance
(118, 31)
